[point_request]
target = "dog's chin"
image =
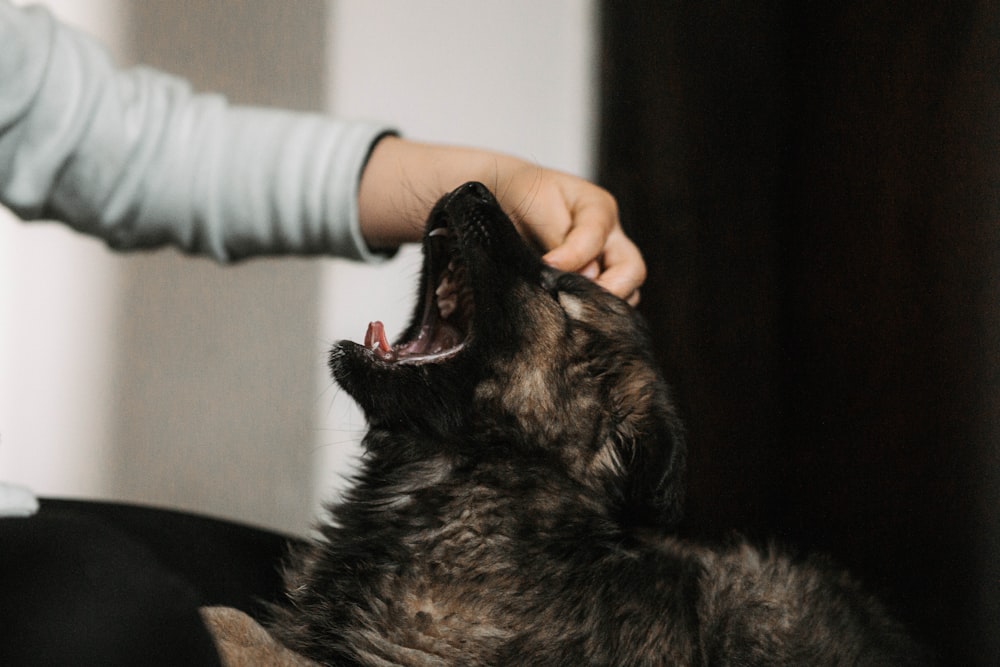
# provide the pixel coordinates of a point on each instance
(423, 395)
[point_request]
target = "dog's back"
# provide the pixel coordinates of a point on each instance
(523, 469)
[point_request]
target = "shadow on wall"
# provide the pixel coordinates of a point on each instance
(215, 391)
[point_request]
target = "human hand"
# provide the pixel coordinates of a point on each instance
(575, 221)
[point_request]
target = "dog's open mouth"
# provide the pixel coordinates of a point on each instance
(448, 307)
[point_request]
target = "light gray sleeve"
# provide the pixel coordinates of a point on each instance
(136, 158)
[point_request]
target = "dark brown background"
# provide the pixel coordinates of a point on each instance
(816, 188)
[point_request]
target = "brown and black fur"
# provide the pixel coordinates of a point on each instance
(518, 490)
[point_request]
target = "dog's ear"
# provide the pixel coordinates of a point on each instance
(653, 487)
(645, 453)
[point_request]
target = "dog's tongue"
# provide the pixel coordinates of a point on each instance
(376, 341)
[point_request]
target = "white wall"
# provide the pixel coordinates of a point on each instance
(172, 381)
(57, 298)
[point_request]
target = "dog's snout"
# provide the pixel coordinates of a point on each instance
(477, 191)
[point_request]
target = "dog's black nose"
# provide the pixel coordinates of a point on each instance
(477, 190)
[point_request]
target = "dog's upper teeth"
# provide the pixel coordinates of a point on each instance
(445, 287)
(446, 307)
(447, 296)
(447, 300)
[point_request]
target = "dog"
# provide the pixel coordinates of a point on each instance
(522, 476)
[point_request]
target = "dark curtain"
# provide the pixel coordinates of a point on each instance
(816, 189)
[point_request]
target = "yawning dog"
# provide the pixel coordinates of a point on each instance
(522, 473)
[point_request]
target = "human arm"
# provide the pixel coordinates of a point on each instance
(574, 220)
(136, 158)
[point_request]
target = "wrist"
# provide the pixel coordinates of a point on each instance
(403, 179)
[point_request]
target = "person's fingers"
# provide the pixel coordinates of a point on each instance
(591, 271)
(624, 270)
(576, 224)
(581, 247)
(594, 216)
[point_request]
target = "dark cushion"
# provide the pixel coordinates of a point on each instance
(108, 583)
